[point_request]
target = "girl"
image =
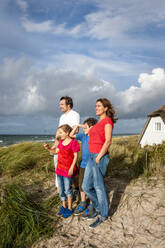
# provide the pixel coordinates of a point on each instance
(99, 142)
(67, 150)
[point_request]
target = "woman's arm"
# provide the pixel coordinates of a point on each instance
(106, 145)
(70, 172)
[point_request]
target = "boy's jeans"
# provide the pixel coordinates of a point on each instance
(65, 187)
(93, 183)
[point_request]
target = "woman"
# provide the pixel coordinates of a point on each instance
(99, 142)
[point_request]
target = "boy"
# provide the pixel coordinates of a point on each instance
(84, 138)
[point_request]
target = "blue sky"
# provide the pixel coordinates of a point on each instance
(85, 49)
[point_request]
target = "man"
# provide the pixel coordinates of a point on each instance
(69, 117)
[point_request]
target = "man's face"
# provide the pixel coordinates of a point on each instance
(63, 107)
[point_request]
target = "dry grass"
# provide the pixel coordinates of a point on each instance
(129, 160)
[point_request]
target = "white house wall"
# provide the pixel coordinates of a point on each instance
(152, 136)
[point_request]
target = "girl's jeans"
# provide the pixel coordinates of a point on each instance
(65, 187)
(93, 183)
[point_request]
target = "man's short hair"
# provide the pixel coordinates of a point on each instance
(90, 121)
(68, 100)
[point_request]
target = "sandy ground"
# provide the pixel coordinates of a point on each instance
(137, 220)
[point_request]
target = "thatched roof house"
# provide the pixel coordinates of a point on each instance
(154, 128)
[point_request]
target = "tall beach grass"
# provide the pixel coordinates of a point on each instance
(22, 221)
(25, 215)
(129, 160)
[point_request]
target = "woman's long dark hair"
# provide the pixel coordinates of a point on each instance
(110, 109)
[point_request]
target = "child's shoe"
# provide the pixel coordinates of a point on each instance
(62, 210)
(89, 211)
(67, 213)
(80, 209)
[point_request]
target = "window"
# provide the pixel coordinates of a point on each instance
(157, 126)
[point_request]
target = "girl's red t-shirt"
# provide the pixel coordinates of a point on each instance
(65, 157)
(97, 135)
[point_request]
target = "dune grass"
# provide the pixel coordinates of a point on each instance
(29, 158)
(22, 221)
(24, 218)
(129, 160)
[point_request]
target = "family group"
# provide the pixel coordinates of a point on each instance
(95, 140)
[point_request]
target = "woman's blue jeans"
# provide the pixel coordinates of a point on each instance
(93, 183)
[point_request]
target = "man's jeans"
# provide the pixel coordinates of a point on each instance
(55, 165)
(93, 183)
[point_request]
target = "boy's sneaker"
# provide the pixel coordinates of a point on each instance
(67, 213)
(89, 211)
(79, 209)
(97, 222)
(62, 210)
(85, 214)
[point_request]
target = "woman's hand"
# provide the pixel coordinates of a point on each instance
(70, 172)
(98, 159)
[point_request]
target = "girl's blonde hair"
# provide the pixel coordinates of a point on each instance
(110, 109)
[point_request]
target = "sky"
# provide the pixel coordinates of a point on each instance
(86, 49)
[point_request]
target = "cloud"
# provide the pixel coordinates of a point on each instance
(139, 101)
(100, 66)
(50, 27)
(22, 4)
(25, 89)
(109, 21)
(18, 94)
(86, 49)
(30, 26)
(28, 90)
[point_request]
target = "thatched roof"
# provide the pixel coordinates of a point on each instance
(159, 112)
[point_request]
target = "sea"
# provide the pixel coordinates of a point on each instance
(6, 140)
